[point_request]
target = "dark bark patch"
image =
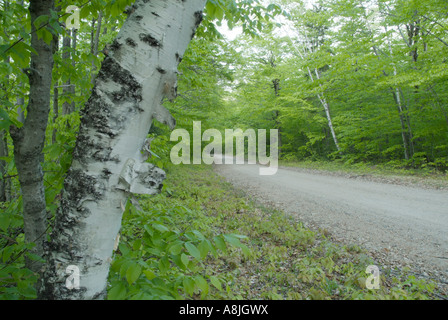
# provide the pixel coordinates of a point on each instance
(155, 14)
(138, 17)
(130, 42)
(178, 58)
(149, 40)
(80, 186)
(98, 149)
(162, 71)
(198, 19)
(129, 10)
(102, 155)
(106, 173)
(111, 70)
(115, 45)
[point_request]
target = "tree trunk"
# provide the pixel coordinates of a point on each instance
(138, 71)
(29, 139)
(72, 85)
(3, 166)
(397, 99)
(324, 103)
(66, 89)
(55, 102)
(406, 131)
(276, 86)
(94, 44)
(55, 110)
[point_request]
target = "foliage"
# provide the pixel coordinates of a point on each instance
(380, 67)
(200, 239)
(174, 248)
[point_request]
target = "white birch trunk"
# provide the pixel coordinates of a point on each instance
(321, 96)
(406, 143)
(139, 70)
(324, 103)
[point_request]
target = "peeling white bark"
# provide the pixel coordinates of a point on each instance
(320, 95)
(138, 72)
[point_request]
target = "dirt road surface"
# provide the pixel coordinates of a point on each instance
(401, 226)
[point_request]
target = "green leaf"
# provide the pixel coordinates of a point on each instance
(210, 7)
(6, 120)
(176, 248)
(203, 248)
(4, 222)
(215, 281)
(133, 273)
(149, 274)
(159, 227)
(220, 243)
(124, 249)
(41, 20)
(7, 252)
(35, 257)
(188, 285)
(45, 35)
(185, 260)
(191, 248)
(233, 239)
(164, 264)
(117, 292)
(202, 284)
(230, 238)
(137, 244)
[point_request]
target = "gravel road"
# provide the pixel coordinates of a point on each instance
(401, 226)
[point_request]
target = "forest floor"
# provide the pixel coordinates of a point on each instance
(402, 221)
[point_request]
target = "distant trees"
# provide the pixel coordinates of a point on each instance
(380, 65)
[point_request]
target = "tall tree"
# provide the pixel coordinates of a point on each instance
(29, 139)
(139, 70)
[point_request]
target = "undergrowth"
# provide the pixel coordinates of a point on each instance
(202, 239)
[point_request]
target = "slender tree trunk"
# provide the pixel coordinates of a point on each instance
(73, 52)
(55, 109)
(29, 139)
(66, 56)
(406, 131)
(324, 103)
(3, 166)
(95, 42)
(139, 70)
(326, 106)
(55, 102)
(4, 141)
(396, 94)
(276, 86)
(321, 95)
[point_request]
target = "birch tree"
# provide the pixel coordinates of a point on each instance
(139, 70)
(308, 47)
